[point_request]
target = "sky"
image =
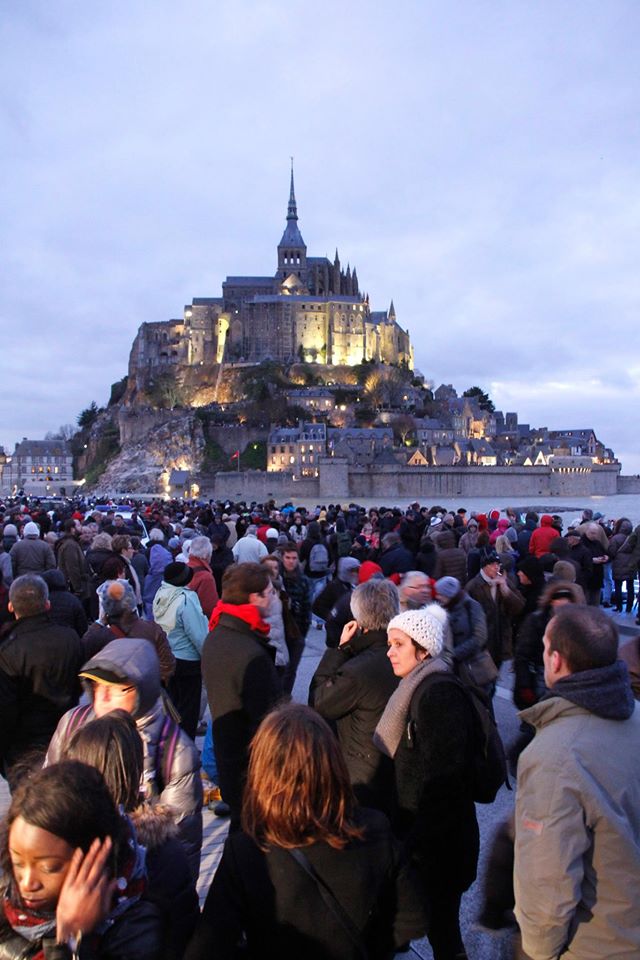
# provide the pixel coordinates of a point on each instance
(477, 160)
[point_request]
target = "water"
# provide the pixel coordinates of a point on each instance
(614, 507)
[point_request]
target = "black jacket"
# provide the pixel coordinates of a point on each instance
(65, 607)
(397, 559)
(351, 686)
(273, 899)
(39, 664)
(434, 809)
(242, 686)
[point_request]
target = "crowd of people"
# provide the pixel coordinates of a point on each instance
(352, 817)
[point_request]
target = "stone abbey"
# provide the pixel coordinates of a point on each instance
(310, 310)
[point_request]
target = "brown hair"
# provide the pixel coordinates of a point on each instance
(240, 580)
(298, 790)
(585, 636)
(113, 746)
(120, 542)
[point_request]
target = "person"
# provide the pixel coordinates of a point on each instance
(159, 557)
(177, 611)
(284, 635)
(31, 554)
(64, 606)
(113, 746)
(248, 549)
(72, 562)
(428, 729)
(592, 541)
(203, 582)
(39, 663)
(221, 558)
(351, 687)
(298, 587)
(299, 809)
(344, 581)
(466, 636)
(120, 619)
(122, 545)
(415, 590)
(624, 555)
(73, 871)
(577, 846)
(501, 603)
(239, 673)
(394, 558)
(125, 675)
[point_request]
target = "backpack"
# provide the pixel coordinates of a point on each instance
(488, 758)
(318, 561)
(343, 544)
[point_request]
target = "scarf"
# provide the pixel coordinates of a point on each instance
(493, 584)
(392, 723)
(605, 691)
(242, 611)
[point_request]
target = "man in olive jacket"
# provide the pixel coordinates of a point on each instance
(577, 853)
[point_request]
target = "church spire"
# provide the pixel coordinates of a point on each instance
(292, 209)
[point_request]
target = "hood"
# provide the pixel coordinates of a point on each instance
(154, 824)
(346, 567)
(159, 557)
(54, 579)
(547, 595)
(546, 520)
(136, 661)
(166, 604)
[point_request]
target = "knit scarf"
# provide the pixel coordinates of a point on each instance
(605, 691)
(243, 611)
(493, 584)
(393, 721)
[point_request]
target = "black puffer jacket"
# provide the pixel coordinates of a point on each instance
(65, 608)
(39, 664)
(351, 686)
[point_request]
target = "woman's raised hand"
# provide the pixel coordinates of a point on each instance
(85, 898)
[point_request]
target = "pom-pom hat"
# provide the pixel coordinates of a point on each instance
(425, 626)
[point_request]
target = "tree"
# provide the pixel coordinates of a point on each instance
(89, 416)
(166, 391)
(402, 425)
(66, 431)
(384, 387)
(484, 400)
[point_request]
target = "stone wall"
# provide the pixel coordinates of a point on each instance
(629, 484)
(257, 485)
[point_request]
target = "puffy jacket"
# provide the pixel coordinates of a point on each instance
(577, 853)
(135, 660)
(65, 608)
(159, 557)
(626, 555)
(31, 555)
(177, 610)
(542, 537)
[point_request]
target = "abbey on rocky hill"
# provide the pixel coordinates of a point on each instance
(310, 310)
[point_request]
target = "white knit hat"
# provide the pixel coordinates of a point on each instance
(31, 529)
(425, 626)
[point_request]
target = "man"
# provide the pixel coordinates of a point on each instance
(31, 554)
(240, 676)
(414, 590)
(249, 549)
(39, 663)
(577, 853)
(125, 675)
(71, 560)
(298, 588)
(501, 604)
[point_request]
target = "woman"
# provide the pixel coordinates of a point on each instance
(122, 545)
(284, 634)
(113, 746)
(428, 728)
(623, 564)
(202, 583)
(298, 800)
(159, 557)
(72, 870)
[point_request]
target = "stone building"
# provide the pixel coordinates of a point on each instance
(40, 467)
(310, 309)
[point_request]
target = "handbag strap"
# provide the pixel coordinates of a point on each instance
(332, 903)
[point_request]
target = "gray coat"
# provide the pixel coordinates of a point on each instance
(577, 853)
(31, 555)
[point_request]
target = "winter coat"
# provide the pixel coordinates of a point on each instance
(65, 607)
(542, 537)
(630, 653)
(524, 537)
(31, 555)
(170, 885)
(73, 565)
(451, 561)
(500, 614)
(39, 664)
(242, 685)
(134, 935)
(99, 635)
(203, 584)
(396, 559)
(159, 557)
(577, 852)
(298, 589)
(468, 626)
(273, 899)
(177, 610)
(434, 810)
(427, 558)
(182, 791)
(351, 686)
(6, 568)
(249, 550)
(625, 556)
(221, 558)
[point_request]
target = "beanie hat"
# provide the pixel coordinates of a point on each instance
(177, 574)
(367, 570)
(425, 626)
(490, 556)
(116, 597)
(31, 529)
(10, 530)
(447, 587)
(272, 534)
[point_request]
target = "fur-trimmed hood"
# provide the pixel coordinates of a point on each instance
(154, 824)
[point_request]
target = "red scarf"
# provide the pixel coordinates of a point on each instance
(243, 611)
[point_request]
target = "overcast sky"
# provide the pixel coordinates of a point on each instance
(476, 160)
